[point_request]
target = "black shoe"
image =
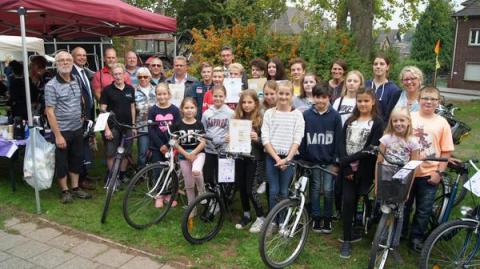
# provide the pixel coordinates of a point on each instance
(327, 226)
(66, 197)
(79, 193)
(346, 250)
(243, 223)
(416, 245)
(317, 226)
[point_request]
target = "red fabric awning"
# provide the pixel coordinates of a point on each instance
(80, 18)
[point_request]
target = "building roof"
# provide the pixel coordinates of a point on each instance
(472, 8)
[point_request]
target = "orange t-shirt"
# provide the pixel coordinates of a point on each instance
(434, 137)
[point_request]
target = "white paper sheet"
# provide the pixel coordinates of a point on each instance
(473, 184)
(226, 170)
(178, 92)
(239, 133)
(101, 122)
(257, 85)
(234, 88)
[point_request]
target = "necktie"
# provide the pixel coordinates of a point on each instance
(87, 86)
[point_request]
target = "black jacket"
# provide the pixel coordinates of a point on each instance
(366, 169)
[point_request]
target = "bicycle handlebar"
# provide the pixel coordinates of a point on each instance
(376, 149)
(309, 165)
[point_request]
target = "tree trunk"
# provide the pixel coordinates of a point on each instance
(342, 15)
(160, 7)
(361, 14)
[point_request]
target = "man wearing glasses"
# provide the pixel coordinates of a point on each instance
(180, 75)
(64, 113)
(156, 69)
(104, 77)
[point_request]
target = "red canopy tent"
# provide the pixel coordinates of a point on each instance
(74, 18)
(80, 18)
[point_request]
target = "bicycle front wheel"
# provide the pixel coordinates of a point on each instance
(281, 238)
(143, 204)
(382, 242)
(453, 244)
(203, 219)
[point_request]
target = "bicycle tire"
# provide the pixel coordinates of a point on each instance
(382, 241)
(139, 204)
(443, 239)
(200, 222)
(268, 237)
(110, 189)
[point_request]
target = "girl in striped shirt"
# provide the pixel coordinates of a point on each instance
(282, 132)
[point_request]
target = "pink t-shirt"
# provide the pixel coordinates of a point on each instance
(398, 149)
(434, 137)
(107, 79)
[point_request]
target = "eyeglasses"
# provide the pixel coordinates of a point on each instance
(409, 79)
(179, 65)
(143, 77)
(117, 74)
(427, 99)
(155, 65)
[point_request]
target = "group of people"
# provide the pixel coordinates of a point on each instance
(327, 123)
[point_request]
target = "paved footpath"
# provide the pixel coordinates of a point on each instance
(28, 245)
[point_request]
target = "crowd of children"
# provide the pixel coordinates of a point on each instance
(327, 123)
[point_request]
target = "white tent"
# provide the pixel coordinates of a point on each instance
(12, 46)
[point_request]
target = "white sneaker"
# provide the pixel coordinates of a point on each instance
(257, 225)
(262, 188)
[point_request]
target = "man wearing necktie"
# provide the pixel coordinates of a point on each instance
(84, 74)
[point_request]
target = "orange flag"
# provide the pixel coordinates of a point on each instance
(437, 47)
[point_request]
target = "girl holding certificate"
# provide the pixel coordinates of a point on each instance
(249, 109)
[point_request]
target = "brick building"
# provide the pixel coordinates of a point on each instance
(466, 59)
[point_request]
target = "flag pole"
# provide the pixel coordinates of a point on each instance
(437, 63)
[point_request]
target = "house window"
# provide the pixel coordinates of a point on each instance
(472, 71)
(474, 37)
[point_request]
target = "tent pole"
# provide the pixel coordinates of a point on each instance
(55, 45)
(21, 12)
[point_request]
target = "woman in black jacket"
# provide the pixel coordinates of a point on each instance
(362, 129)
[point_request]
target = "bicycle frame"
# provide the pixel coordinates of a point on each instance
(448, 204)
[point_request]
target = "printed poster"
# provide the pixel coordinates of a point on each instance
(234, 88)
(239, 134)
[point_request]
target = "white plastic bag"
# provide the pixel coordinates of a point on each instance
(44, 161)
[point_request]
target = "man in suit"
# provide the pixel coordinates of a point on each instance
(180, 75)
(84, 76)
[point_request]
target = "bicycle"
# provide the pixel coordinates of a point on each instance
(455, 244)
(203, 219)
(112, 181)
(150, 183)
(451, 193)
(281, 248)
(394, 181)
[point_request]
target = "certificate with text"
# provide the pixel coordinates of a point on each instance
(239, 133)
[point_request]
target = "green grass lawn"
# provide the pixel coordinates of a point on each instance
(230, 249)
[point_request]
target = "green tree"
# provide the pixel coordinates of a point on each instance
(358, 16)
(200, 14)
(434, 24)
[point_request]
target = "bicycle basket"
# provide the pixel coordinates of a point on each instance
(459, 131)
(393, 186)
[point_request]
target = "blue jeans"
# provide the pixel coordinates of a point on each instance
(423, 194)
(142, 145)
(278, 181)
(318, 181)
